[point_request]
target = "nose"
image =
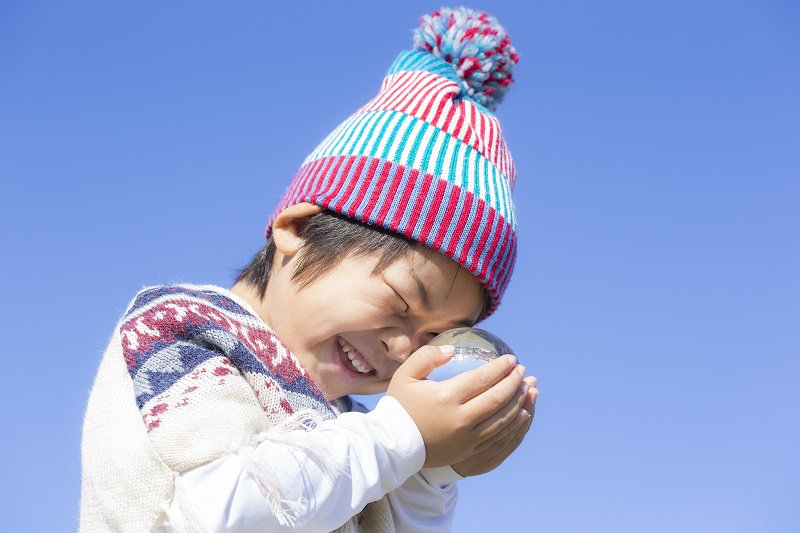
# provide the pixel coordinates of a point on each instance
(401, 343)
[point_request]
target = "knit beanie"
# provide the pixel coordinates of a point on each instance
(426, 158)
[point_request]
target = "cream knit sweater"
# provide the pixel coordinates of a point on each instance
(192, 374)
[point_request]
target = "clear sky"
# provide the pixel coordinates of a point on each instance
(657, 288)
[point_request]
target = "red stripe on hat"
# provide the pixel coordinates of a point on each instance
(344, 185)
(364, 178)
(425, 97)
(459, 123)
(442, 101)
(444, 93)
(436, 203)
(380, 218)
(449, 212)
(491, 145)
(489, 250)
(448, 119)
(474, 232)
(419, 203)
(316, 177)
(379, 182)
(402, 91)
(405, 197)
(507, 265)
(466, 112)
(399, 91)
(301, 178)
(396, 92)
(351, 182)
(330, 187)
(461, 224)
(475, 115)
(423, 84)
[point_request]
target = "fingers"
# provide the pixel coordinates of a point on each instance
(494, 452)
(425, 360)
(496, 421)
(495, 403)
(506, 446)
(504, 443)
(533, 395)
(476, 382)
(506, 433)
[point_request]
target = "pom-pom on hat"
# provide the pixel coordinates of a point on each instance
(476, 45)
(426, 158)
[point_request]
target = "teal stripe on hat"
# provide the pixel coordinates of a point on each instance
(409, 141)
(373, 141)
(448, 147)
(486, 174)
(351, 147)
(400, 124)
(451, 174)
(367, 134)
(475, 165)
(403, 139)
(419, 61)
(345, 138)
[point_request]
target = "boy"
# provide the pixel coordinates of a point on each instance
(228, 410)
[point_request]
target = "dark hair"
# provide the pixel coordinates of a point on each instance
(328, 238)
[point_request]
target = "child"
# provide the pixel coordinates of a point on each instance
(228, 410)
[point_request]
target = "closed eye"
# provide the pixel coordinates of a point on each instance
(403, 301)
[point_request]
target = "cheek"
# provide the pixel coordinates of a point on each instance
(337, 317)
(360, 311)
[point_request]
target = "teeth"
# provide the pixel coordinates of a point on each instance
(356, 358)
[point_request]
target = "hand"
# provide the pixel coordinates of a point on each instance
(457, 416)
(494, 451)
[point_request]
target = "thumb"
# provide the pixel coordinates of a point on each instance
(425, 360)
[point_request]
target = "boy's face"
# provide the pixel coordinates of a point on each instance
(351, 329)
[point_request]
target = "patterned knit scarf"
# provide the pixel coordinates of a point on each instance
(209, 379)
(174, 335)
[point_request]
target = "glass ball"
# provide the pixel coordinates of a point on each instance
(473, 347)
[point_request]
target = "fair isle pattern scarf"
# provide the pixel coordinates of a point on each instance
(210, 378)
(173, 334)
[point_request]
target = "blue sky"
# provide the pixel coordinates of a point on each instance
(656, 294)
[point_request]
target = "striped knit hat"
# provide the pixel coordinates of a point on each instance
(425, 158)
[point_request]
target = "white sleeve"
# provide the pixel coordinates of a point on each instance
(319, 479)
(426, 503)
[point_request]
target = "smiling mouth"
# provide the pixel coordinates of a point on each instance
(357, 361)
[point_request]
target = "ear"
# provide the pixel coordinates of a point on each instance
(287, 225)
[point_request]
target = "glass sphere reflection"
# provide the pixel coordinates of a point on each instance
(473, 347)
